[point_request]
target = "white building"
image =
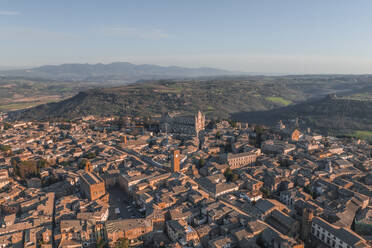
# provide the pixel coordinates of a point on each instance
(334, 236)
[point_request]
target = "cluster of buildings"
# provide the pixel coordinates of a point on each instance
(187, 183)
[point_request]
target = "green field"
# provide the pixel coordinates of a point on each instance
(279, 100)
(21, 93)
(363, 134)
(15, 106)
(366, 96)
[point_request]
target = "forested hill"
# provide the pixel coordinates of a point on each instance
(215, 97)
(336, 115)
(253, 99)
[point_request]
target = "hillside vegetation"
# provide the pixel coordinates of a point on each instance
(255, 99)
(334, 115)
(21, 93)
(215, 98)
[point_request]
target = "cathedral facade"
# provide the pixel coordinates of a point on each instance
(183, 124)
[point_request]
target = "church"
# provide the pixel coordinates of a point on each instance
(183, 124)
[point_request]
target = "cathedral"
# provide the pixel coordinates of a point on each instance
(183, 124)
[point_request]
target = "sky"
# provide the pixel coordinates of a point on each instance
(262, 36)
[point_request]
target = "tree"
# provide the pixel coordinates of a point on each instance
(235, 177)
(40, 242)
(5, 148)
(218, 135)
(7, 126)
(229, 175)
(123, 243)
(265, 192)
(314, 195)
(233, 124)
(101, 243)
(201, 162)
(90, 155)
(307, 189)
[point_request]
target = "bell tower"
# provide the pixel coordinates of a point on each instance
(307, 218)
(88, 166)
(176, 161)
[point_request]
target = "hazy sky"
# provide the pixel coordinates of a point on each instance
(278, 36)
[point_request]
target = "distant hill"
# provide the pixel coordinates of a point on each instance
(335, 115)
(215, 97)
(119, 71)
(254, 99)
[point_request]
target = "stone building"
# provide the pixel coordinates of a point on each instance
(335, 236)
(290, 132)
(92, 185)
(179, 230)
(239, 160)
(27, 168)
(34, 183)
(183, 124)
(251, 183)
(81, 232)
(130, 229)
